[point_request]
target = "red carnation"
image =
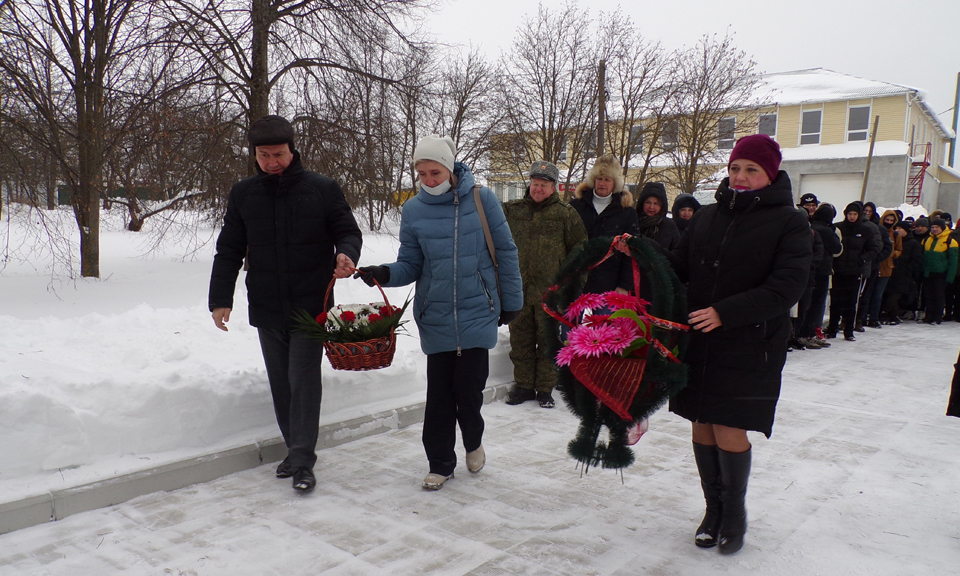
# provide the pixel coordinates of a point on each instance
(374, 318)
(322, 318)
(348, 316)
(386, 311)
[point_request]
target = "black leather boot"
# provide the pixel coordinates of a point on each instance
(708, 464)
(734, 474)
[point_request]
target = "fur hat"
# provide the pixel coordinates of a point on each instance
(761, 149)
(440, 149)
(606, 166)
(545, 171)
(270, 130)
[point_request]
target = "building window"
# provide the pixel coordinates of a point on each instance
(670, 132)
(767, 125)
(858, 122)
(562, 152)
(810, 127)
(726, 133)
(636, 139)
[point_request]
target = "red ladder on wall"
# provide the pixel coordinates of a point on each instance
(915, 178)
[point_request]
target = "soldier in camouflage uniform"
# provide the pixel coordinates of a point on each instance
(545, 229)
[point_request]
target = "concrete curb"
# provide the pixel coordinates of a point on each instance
(58, 504)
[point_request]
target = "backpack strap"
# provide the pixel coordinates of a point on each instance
(486, 234)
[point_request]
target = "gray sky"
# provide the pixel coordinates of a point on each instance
(885, 40)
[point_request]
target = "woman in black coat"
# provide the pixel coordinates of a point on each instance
(684, 207)
(607, 210)
(654, 224)
(746, 260)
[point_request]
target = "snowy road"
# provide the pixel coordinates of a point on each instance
(860, 477)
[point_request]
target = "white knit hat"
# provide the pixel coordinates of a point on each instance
(439, 149)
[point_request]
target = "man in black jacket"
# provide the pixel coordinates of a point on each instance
(861, 244)
(296, 231)
(872, 269)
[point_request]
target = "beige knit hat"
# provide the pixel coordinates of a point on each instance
(607, 166)
(440, 149)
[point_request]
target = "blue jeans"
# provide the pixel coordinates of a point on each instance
(293, 368)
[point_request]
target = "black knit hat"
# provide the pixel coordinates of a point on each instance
(939, 222)
(905, 224)
(270, 130)
(922, 223)
(808, 198)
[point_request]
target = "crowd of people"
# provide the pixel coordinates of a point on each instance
(746, 260)
(879, 270)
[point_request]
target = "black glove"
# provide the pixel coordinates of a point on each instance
(507, 316)
(370, 273)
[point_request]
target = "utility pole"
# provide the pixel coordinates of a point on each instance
(956, 109)
(866, 171)
(601, 105)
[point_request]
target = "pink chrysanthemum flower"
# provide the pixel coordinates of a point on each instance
(565, 356)
(587, 301)
(592, 341)
(625, 331)
(619, 301)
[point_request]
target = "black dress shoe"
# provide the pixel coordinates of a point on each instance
(304, 480)
(285, 470)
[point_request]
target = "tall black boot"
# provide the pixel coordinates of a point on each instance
(708, 464)
(734, 473)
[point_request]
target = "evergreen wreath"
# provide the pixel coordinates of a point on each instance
(662, 378)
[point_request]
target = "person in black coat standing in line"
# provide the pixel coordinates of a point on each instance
(296, 231)
(861, 244)
(607, 211)
(746, 260)
(822, 224)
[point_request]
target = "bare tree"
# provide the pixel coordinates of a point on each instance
(548, 90)
(640, 85)
(467, 106)
(71, 62)
(717, 83)
(252, 46)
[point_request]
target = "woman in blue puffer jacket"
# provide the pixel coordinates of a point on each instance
(456, 306)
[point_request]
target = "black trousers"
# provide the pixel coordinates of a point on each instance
(818, 302)
(951, 302)
(866, 297)
(455, 383)
(293, 368)
(934, 289)
(843, 303)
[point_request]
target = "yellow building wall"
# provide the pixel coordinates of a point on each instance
(833, 123)
(892, 112)
(788, 126)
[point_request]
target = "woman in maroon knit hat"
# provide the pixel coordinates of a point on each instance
(746, 260)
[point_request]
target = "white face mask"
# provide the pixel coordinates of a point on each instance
(438, 189)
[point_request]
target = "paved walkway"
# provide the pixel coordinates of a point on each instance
(860, 477)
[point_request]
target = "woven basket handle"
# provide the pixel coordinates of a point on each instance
(333, 280)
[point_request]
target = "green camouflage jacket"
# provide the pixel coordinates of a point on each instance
(544, 234)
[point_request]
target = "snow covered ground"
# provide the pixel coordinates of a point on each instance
(106, 377)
